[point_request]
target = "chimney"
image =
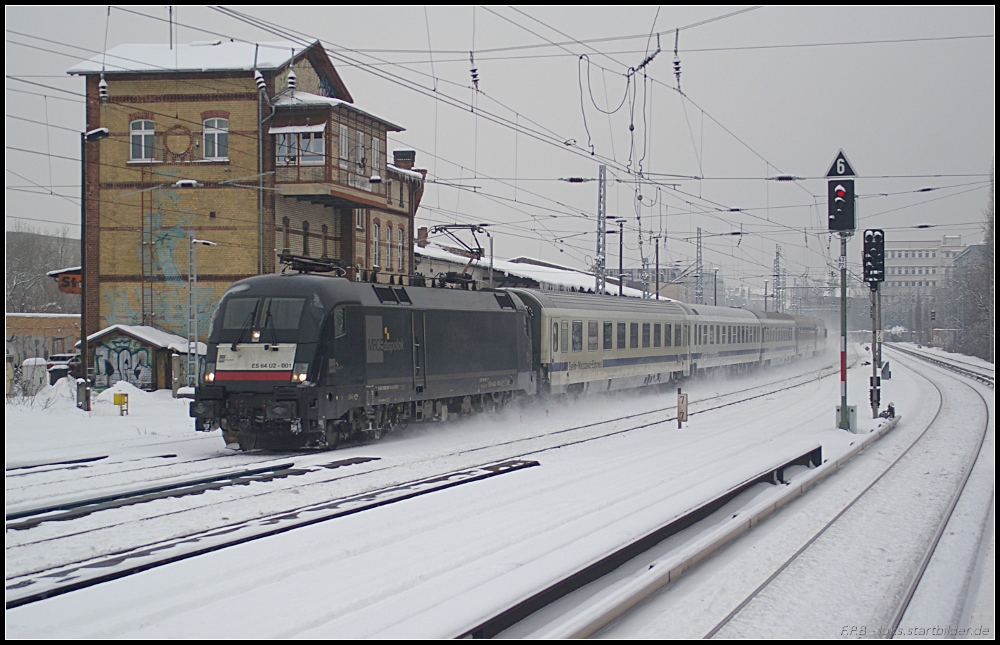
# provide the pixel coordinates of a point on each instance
(422, 236)
(404, 159)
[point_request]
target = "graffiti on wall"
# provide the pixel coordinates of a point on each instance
(24, 346)
(122, 359)
(169, 293)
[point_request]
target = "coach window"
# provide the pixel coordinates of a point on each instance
(666, 334)
(555, 337)
(633, 335)
(577, 335)
(621, 335)
(609, 332)
(564, 342)
(645, 334)
(656, 335)
(591, 335)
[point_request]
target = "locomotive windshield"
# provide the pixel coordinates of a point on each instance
(273, 318)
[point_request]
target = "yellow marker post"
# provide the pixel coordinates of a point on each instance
(121, 400)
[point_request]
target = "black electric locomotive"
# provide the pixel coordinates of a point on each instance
(308, 361)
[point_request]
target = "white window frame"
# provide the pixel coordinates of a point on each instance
(375, 240)
(345, 146)
(216, 139)
(312, 149)
(359, 219)
(300, 149)
(399, 239)
(359, 154)
(142, 137)
(388, 247)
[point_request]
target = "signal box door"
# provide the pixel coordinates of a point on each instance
(419, 353)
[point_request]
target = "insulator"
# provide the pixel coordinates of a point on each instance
(291, 79)
(259, 79)
(102, 89)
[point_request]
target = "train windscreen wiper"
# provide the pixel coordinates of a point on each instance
(246, 326)
(269, 323)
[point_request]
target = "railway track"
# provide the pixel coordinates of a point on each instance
(581, 620)
(888, 622)
(522, 450)
(960, 367)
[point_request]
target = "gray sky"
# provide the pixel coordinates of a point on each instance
(766, 91)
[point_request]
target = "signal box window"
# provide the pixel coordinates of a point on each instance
(142, 137)
(216, 139)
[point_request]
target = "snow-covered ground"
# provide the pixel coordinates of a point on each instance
(433, 565)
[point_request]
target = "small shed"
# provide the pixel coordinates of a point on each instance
(139, 354)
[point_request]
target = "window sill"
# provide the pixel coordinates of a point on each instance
(143, 161)
(213, 160)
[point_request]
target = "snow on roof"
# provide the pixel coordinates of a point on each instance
(151, 335)
(404, 172)
(192, 57)
(297, 98)
(66, 270)
(564, 277)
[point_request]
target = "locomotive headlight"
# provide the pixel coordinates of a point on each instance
(209, 372)
(256, 335)
(300, 372)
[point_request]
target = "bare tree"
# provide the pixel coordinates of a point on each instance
(29, 256)
(971, 295)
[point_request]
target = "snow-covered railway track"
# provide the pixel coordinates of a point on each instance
(864, 548)
(117, 534)
(27, 518)
(961, 367)
(80, 575)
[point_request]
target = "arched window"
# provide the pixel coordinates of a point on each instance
(375, 246)
(388, 247)
(216, 139)
(142, 137)
(399, 248)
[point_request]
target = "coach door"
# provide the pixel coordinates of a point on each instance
(419, 355)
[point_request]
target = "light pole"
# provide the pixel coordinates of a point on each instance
(192, 349)
(715, 287)
(83, 393)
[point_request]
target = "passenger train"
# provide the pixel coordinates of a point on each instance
(310, 361)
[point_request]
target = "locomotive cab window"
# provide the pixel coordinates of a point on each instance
(339, 322)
